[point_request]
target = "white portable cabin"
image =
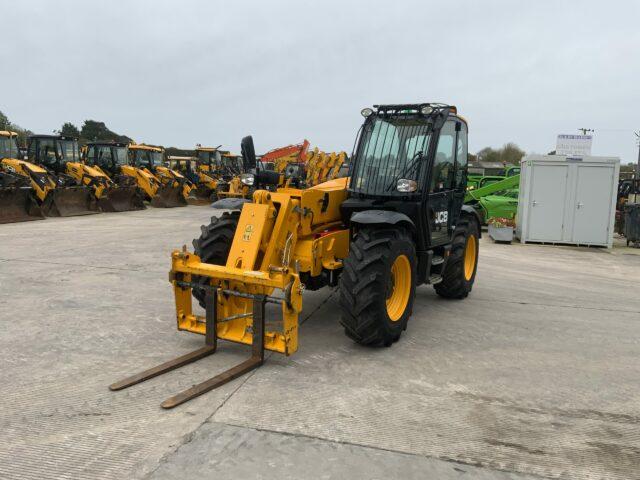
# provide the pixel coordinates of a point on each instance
(567, 199)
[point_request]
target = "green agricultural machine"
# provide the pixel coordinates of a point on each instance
(495, 197)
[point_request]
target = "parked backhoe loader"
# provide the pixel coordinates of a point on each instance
(99, 169)
(163, 187)
(58, 193)
(18, 201)
(396, 223)
(206, 173)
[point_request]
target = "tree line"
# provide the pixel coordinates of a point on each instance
(93, 130)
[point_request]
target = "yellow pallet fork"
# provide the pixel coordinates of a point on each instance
(271, 232)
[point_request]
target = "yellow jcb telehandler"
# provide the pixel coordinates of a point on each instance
(398, 222)
(18, 201)
(163, 187)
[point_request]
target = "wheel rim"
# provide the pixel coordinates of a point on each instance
(470, 253)
(400, 288)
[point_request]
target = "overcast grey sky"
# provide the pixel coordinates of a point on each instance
(186, 72)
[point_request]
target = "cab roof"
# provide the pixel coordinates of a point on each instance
(415, 109)
(7, 133)
(142, 146)
(55, 137)
(106, 144)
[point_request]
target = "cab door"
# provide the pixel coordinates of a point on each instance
(442, 185)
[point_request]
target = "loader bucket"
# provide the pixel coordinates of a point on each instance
(70, 201)
(121, 199)
(18, 205)
(202, 195)
(168, 197)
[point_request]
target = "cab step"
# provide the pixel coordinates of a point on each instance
(433, 279)
(437, 260)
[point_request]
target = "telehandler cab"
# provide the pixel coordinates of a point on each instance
(397, 222)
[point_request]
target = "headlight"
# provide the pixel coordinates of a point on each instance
(365, 112)
(248, 179)
(404, 185)
(426, 110)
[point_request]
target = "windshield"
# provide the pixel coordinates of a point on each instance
(69, 150)
(206, 158)
(157, 158)
(9, 147)
(120, 154)
(48, 151)
(389, 149)
(103, 158)
(143, 158)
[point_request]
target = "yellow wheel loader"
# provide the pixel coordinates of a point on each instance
(396, 223)
(18, 202)
(163, 187)
(101, 169)
(50, 160)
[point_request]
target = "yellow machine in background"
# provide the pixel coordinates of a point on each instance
(18, 200)
(121, 192)
(206, 173)
(322, 167)
(51, 157)
(162, 186)
(229, 177)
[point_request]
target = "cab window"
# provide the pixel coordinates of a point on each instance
(443, 164)
(461, 157)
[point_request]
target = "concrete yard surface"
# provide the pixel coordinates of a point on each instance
(535, 375)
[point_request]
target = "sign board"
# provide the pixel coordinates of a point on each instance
(574, 145)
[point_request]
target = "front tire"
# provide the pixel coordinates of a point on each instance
(213, 246)
(377, 286)
(462, 264)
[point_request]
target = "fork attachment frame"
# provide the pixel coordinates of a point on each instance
(211, 343)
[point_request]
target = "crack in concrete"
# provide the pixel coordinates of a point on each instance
(188, 438)
(382, 449)
(43, 262)
(577, 307)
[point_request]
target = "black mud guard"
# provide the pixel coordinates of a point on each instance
(382, 217)
(470, 211)
(230, 203)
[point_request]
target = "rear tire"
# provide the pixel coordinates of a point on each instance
(213, 246)
(462, 264)
(377, 286)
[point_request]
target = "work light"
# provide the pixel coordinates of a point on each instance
(406, 186)
(248, 179)
(426, 110)
(366, 112)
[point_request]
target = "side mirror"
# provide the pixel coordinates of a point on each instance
(248, 153)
